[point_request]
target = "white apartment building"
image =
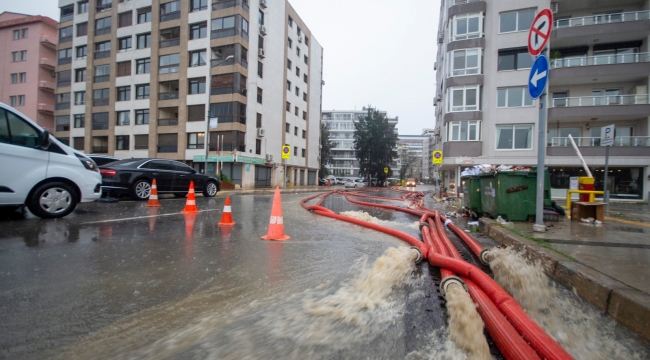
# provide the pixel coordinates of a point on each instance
(413, 147)
(343, 160)
(139, 77)
(600, 72)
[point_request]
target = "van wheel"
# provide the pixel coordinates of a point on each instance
(141, 190)
(52, 200)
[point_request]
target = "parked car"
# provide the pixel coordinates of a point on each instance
(133, 177)
(410, 182)
(322, 182)
(41, 172)
(101, 160)
(355, 183)
(340, 181)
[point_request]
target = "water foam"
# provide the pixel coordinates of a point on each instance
(465, 324)
(362, 215)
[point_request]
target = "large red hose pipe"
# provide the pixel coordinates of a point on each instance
(476, 248)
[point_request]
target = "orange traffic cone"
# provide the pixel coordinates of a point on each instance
(190, 204)
(276, 224)
(153, 196)
(226, 216)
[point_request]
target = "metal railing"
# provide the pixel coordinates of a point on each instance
(100, 102)
(168, 95)
(102, 54)
(603, 19)
(62, 61)
(637, 99)
(105, 7)
(64, 39)
(170, 42)
(595, 141)
(459, 2)
(220, 62)
(101, 78)
(102, 31)
(600, 60)
(67, 17)
(61, 106)
(167, 122)
(170, 16)
(63, 83)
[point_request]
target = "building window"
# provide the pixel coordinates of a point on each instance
(304, 134)
(295, 151)
(229, 112)
(513, 97)
(82, 51)
(298, 51)
(125, 19)
(170, 37)
(102, 50)
(516, 21)
(258, 146)
(170, 11)
(290, 22)
(123, 118)
(167, 143)
(13, 100)
(100, 144)
(464, 130)
(100, 121)
(514, 59)
(260, 17)
(65, 34)
(103, 26)
(514, 137)
(303, 152)
(79, 120)
(297, 71)
(223, 27)
(198, 31)
(288, 106)
(288, 64)
(62, 101)
(288, 85)
(298, 31)
(306, 41)
(79, 97)
(258, 123)
(295, 130)
(197, 86)
(304, 78)
(124, 43)
(82, 29)
(289, 43)
(14, 78)
(259, 95)
(306, 59)
(104, 5)
(21, 100)
(468, 26)
(304, 115)
(287, 128)
(297, 91)
(142, 92)
(100, 97)
(142, 66)
(82, 7)
(102, 73)
(144, 41)
(463, 98)
(260, 69)
(144, 15)
(198, 5)
(464, 62)
(122, 142)
(197, 58)
(169, 63)
(124, 68)
(142, 117)
(62, 123)
(296, 111)
(304, 96)
(196, 112)
(63, 78)
(78, 143)
(141, 142)
(124, 93)
(196, 140)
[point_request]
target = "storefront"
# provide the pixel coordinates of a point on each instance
(622, 182)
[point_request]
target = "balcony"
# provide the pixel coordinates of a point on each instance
(601, 28)
(48, 42)
(45, 108)
(590, 146)
(169, 43)
(64, 39)
(605, 68)
(66, 17)
(612, 107)
(170, 16)
(167, 122)
(101, 78)
(462, 148)
(64, 61)
(104, 7)
(100, 102)
(61, 106)
(595, 141)
(46, 85)
(225, 4)
(102, 54)
(102, 31)
(172, 95)
(48, 64)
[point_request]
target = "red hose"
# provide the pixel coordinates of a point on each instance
(476, 248)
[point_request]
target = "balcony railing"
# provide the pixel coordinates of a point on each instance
(61, 106)
(46, 85)
(168, 95)
(65, 39)
(601, 100)
(221, 90)
(48, 63)
(105, 7)
(218, 62)
(595, 141)
(170, 16)
(63, 83)
(603, 19)
(459, 2)
(100, 102)
(170, 42)
(102, 31)
(224, 4)
(45, 108)
(600, 60)
(102, 54)
(67, 17)
(101, 78)
(167, 122)
(49, 42)
(62, 61)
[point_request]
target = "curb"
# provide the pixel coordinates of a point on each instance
(628, 306)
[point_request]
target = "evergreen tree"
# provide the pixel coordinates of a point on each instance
(374, 143)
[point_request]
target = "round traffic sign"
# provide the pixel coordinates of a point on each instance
(285, 149)
(437, 155)
(540, 31)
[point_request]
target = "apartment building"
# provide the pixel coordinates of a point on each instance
(28, 54)
(600, 69)
(343, 160)
(140, 77)
(412, 155)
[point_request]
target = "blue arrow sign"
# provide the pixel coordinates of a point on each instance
(538, 77)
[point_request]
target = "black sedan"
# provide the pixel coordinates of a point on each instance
(134, 176)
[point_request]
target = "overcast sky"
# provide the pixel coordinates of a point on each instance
(377, 52)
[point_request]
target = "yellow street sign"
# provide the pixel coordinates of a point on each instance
(385, 170)
(436, 157)
(286, 151)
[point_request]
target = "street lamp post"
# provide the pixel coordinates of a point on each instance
(210, 116)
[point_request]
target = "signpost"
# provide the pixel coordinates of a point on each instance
(538, 35)
(385, 170)
(606, 139)
(436, 157)
(286, 155)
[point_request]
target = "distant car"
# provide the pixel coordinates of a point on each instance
(355, 183)
(340, 181)
(101, 160)
(410, 182)
(322, 182)
(361, 182)
(133, 177)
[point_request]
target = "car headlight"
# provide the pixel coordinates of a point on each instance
(87, 163)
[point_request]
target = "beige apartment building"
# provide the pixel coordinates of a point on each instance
(28, 53)
(600, 72)
(140, 76)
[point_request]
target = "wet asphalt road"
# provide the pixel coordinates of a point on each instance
(111, 279)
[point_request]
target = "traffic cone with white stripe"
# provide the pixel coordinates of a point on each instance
(190, 204)
(226, 216)
(276, 223)
(153, 195)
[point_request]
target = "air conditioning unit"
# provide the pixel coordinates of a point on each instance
(300, 39)
(269, 157)
(263, 4)
(260, 53)
(554, 7)
(260, 132)
(262, 30)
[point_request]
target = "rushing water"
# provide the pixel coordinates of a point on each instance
(578, 327)
(465, 324)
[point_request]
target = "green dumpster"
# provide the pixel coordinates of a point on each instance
(472, 193)
(512, 194)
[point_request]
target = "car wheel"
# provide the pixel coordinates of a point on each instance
(52, 200)
(141, 190)
(180, 195)
(210, 189)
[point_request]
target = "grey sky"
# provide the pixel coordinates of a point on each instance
(377, 52)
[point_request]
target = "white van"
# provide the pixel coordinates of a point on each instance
(39, 171)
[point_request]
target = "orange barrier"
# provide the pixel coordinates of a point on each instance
(226, 216)
(153, 196)
(190, 204)
(276, 223)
